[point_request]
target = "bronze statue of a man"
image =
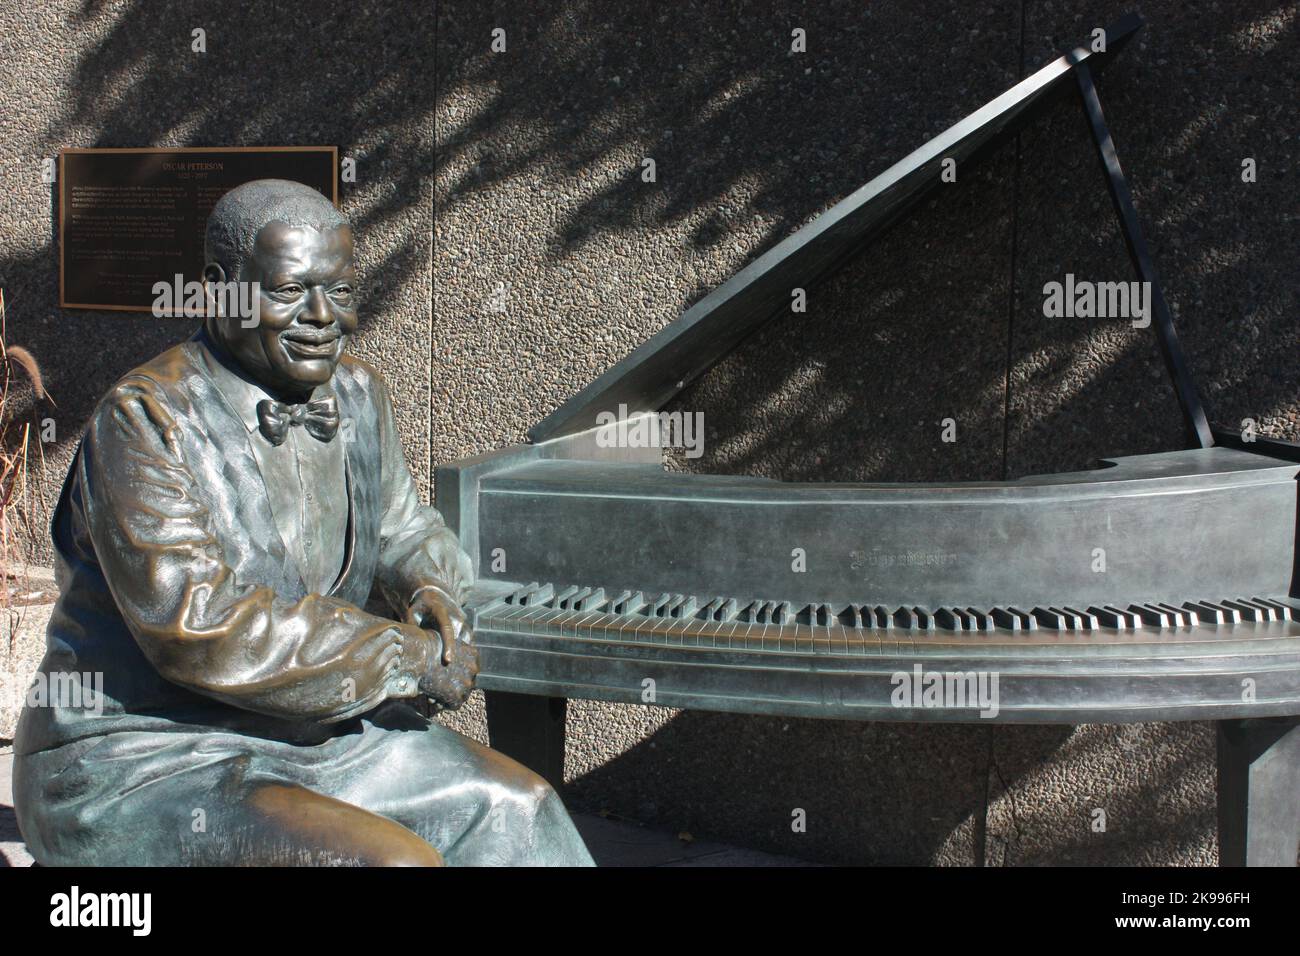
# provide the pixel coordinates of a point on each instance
(232, 505)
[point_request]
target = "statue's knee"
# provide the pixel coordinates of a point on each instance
(537, 793)
(408, 853)
(332, 831)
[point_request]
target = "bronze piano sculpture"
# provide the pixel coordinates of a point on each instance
(620, 576)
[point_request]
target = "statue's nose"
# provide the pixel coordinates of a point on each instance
(317, 309)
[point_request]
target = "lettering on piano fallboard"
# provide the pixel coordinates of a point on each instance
(910, 559)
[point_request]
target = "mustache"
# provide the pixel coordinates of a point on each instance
(310, 336)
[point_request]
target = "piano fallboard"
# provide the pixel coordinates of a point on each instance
(1164, 527)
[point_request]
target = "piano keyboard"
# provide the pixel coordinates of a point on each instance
(687, 620)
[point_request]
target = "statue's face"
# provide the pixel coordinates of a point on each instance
(308, 307)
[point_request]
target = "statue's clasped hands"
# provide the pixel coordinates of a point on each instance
(454, 667)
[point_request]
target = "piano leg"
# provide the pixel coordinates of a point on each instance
(528, 729)
(1259, 791)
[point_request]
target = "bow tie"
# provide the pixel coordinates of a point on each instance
(320, 418)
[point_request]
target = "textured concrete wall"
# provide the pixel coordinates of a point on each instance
(523, 168)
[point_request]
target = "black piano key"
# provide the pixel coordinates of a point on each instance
(1135, 621)
(1007, 619)
(1270, 612)
(1109, 617)
(1027, 620)
(592, 602)
(980, 620)
(526, 599)
(634, 603)
(1086, 620)
(781, 613)
(1183, 617)
(1069, 619)
(562, 596)
(948, 620)
(1285, 611)
(616, 602)
(1049, 618)
(705, 611)
(1210, 613)
(1248, 612)
(1152, 616)
(575, 601)
(924, 619)
(536, 594)
(882, 618)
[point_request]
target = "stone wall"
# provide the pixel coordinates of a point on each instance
(522, 169)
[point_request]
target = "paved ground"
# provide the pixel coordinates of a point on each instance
(12, 851)
(612, 842)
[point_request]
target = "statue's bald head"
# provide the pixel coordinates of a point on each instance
(240, 214)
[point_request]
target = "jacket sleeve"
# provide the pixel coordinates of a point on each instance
(417, 549)
(319, 658)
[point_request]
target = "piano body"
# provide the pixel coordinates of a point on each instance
(1155, 587)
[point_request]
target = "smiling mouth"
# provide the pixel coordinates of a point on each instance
(311, 345)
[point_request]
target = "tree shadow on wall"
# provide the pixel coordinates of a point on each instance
(940, 316)
(929, 324)
(282, 74)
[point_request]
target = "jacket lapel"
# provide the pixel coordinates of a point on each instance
(358, 429)
(241, 503)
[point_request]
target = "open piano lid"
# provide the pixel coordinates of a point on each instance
(657, 370)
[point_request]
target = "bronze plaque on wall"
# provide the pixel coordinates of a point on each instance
(130, 218)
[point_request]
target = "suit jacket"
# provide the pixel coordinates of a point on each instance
(177, 588)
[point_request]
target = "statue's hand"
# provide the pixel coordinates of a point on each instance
(451, 673)
(432, 608)
(450, 684)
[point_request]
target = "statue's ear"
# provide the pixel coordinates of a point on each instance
(212, 274)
